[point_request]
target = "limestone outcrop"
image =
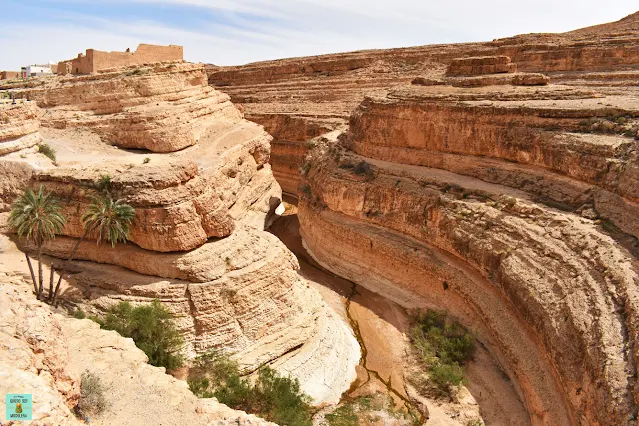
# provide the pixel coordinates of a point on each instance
(507, 199)
(202, 203)
(481, 65)
(45, 353)
(19, 126)
(163, 107)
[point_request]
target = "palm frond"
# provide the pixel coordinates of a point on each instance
(109, 220)
(36, 216)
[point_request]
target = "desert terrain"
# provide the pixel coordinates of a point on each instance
(301, 213)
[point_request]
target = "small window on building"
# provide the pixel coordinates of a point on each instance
(77, 70)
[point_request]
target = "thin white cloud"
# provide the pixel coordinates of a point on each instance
(243, 31)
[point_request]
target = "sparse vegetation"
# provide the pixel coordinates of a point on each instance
(146, 160)
(305, 168)
(273, 397)
(612, 124)
(306, 190)
(152, 329)
(444, 346)
(79, 314)
(364, 169)
(48, 151)
(139, 71)
(369, 409)
(475, 422)
(92, 398)
(104, 183)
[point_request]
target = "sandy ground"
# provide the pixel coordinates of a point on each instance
(382, 328)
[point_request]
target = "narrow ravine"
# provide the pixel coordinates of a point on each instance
(411, 408)
(380, 327)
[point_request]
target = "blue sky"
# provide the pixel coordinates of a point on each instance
(227, 32)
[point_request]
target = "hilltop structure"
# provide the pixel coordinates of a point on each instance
(96, 60)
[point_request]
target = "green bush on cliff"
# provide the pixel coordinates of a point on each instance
(273, 397)
(152, 329)
(444, 346)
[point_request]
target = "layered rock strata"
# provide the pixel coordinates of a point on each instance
(462, 215)
(305, 90)
(198, 242)
(163, 107)
(510, 206)
(481, 65)
(19, 125)
(46, 353)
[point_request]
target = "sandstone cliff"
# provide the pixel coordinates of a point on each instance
(20, 124)
(45, 353)
(319, 91)
(506, 200)
(202, 202)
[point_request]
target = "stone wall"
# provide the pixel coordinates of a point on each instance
(96, 60)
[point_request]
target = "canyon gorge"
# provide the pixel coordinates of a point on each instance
(299, 213)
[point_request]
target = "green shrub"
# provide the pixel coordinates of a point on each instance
(446, 377)
(306, 190)
(152, 329)
(445, 346)
(47, 151)
(343, 415)
(146, 160)
(104, 183)
(436, 335)
(79, 314)
(92, 400)
(364, 169)
(275, 398)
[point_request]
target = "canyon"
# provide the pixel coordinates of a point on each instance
(298, 213)
(497, 181)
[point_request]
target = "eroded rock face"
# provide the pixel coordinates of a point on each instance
(198, 242)
(19, 125)
(481, 65)
(45, 353)
(507, 199)
(163, 108)
(332, 86)
(531, 261)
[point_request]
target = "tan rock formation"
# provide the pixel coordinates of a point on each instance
(45, 353)
(510, 206)
(163, 107)
(481, 65)
(198, 242)
(18, 126)
(332, 86)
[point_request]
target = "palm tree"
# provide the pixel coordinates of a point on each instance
(36, 216)
(108, 220)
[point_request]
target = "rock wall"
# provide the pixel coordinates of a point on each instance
(48, 352)
(508, 200)
(198, 241)
(481, 65)
(332, 86)
(19, 125)
(161, 108)
(427, 237)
